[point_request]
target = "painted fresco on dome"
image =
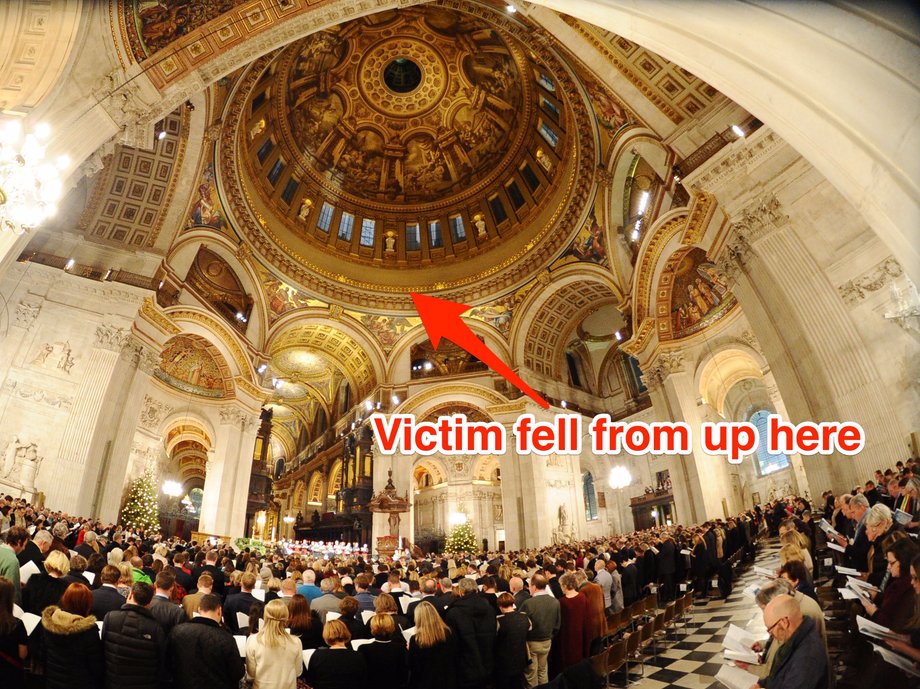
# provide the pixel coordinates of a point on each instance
(154, 24)
(186, 364)
(610, 113)
(699, 295)
(590, 244)
(282, 297)
(386, 329)
(500, 312)
(207, 209)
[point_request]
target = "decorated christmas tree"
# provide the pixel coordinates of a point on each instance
(140, 510)
(461, 539)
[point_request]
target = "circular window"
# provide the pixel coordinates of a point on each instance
(402, 75)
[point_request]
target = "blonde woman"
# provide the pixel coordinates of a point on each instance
(432, 651)
(800, 541)
(46, 588)
(126, 580)
(274, 658)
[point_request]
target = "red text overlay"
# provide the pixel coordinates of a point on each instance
(455, 435)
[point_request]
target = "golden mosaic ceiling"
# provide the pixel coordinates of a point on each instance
(415, 150)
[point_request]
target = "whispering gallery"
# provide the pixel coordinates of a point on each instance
(214, 217)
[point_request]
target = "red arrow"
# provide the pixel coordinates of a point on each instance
(441, 319)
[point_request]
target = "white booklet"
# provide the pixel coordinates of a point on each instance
(849, 570)
(736, 678)
(897, 660)
(306, 657)
(902, 517)
(853, 581)
(870, 628)
(241, 645)
(26, 572)
(825, 526)
(847, 594)
(737, 644)
(242, 620)
(90, 577)
(366, 616)
(30, 621)
(333, 615)
(404, 602)
(408, 633)
(259, 594)
(357, 643)
(764, 572)
(17, 612)
(835, 546)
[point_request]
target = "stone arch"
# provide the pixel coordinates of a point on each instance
(234, 349)
(428, 472)
(346, 341)
(720, 369)
(182, 255)
(551, 313)
(648, 146)
(487, 469)
(314, 492)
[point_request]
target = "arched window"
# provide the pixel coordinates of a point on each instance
(764, 461)
(590, 496)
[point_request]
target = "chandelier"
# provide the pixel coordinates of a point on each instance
(30, 185)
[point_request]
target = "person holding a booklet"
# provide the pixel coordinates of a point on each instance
(274, 658)
(898, 599)
(338, 666)
(386, 658)
(801, 659)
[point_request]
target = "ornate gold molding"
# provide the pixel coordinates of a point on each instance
(702, 208)
(152, 314)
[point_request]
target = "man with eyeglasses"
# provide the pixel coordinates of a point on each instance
(801, 661)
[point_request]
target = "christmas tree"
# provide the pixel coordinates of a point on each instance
(140, 510)
(461, 539)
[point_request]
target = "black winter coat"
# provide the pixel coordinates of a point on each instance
(204, 654)
(73, 650)
(511, 644)
(472, 620)
(43, 590)
(135, 649)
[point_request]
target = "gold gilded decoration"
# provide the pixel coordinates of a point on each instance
(691, 295)
(219, 329)
(651, 252)
(637, 342)
(191, 364)
(152, 313)
(702, 208)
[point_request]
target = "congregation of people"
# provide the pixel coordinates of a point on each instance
(123, 608)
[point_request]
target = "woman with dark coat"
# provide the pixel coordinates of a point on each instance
(510, 645)
(896, 606)
(432, 651)
(304, 623)
(386, 657)
(348, 609)
(46, 588)
(73, 649)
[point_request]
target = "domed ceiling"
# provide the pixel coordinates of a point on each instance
(424, 149)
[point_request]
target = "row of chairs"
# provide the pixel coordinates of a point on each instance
(646, 625)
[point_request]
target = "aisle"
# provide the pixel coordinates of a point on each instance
(693, 661)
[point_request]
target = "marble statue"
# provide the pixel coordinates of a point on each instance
(24, 454)
(563, 517)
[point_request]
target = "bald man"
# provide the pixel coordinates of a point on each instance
(801, 661)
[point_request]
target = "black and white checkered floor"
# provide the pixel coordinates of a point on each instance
(694, 659)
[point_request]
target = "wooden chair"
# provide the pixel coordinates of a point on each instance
(646, 636)
(616, 658)
(632, 651)
(669, 617)
(652, 600)
(657, 631)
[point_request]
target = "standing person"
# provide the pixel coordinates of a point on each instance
(73, 649)
(472, 620)
(162, 608)
(604, 580)
(386, 659)
(338, 666)
(667, 564)
(134, 643)
(304, 623)
(546, 618)
(46, 588)
(13, 639)
(106, 598)
(574, 641)
(510, 644)
(240, 602)
(191, 601)
(432, 651)
(9, 564)
(274, 658)
(204, 654)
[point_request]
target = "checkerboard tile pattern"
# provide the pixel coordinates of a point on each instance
(692, 661)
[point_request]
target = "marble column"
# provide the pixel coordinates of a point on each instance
(226, 484)
(111, 470)
(700, 480)
(88, 427)
(821, 367)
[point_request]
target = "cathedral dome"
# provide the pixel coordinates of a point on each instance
(424, 149)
